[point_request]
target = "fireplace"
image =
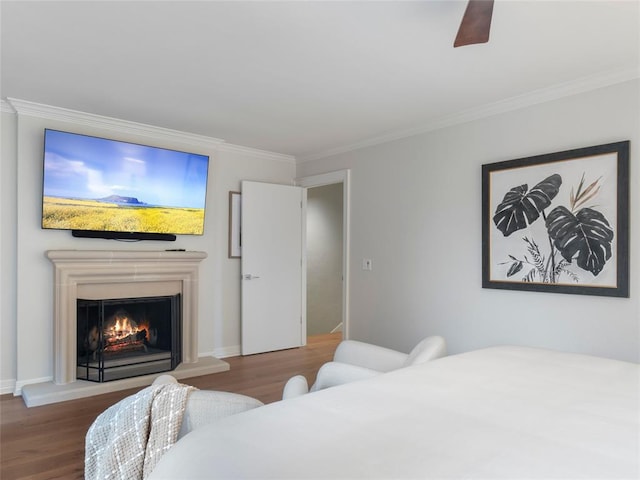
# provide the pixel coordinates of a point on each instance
(118, 275)
(127, 337)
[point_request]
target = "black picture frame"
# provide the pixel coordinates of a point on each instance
(558, 222)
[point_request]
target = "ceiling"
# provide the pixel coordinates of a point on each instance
(302, 77)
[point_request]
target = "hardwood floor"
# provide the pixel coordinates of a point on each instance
(48, 442)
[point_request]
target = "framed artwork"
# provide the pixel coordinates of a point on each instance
(558, 222)
(235, 234)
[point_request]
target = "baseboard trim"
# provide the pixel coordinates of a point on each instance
(21, 384)
(337, 329)
(226, 352)
(7, 386)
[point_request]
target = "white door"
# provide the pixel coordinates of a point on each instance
(273, 273)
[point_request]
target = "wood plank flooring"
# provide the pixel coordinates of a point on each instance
(47, 443)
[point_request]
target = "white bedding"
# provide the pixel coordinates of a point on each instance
(502, 412)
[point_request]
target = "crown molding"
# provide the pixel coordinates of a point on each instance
(5, 107)
(555, 92)
(256, 152)
(24, 107)
(535, 97)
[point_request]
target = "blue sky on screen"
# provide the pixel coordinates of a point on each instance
(79, 166)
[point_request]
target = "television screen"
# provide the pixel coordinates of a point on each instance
(94, 184)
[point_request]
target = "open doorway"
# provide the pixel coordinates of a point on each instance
(324, 259)
(327, 253)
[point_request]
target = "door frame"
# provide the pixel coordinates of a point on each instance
(330, 178)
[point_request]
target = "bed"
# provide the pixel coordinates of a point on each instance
(500, 412)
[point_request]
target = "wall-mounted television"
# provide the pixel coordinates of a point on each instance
(103, 188)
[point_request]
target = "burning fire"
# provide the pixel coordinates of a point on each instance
(123, 333)
(121, 326)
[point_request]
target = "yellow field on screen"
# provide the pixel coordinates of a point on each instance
(72, 214)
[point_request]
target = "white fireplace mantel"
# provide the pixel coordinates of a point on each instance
(117, 274)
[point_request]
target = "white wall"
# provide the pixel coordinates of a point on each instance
(27, 296)
(7, 252)
(415, 210)
(324, 258)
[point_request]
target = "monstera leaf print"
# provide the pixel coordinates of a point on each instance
(587, 234)
(520, 208)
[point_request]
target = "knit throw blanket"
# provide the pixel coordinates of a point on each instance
(127, 440)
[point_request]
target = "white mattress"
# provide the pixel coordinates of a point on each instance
(502, 412)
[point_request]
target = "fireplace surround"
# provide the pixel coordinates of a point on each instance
(100, 274)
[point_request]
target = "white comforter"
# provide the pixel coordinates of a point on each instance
(503, 412)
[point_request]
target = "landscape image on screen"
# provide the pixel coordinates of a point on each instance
(96, 184)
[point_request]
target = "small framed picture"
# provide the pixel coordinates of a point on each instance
(235, 223)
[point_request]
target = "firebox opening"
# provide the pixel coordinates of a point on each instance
(122, 338)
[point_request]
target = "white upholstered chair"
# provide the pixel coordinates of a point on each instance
(355, 360)
(206, 406)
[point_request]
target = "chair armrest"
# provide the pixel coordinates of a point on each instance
(428, 349)
(206, 406)
(369, 356)
(295, 387)
(334, 373)
(164, 379)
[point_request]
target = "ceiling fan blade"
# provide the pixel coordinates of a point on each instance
(476, 23)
